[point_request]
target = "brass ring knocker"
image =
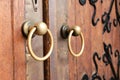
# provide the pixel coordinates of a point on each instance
(75, 31)
(39, 29)
(69, 44)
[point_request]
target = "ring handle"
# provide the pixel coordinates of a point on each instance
(69, 44)
(66, 32)
(40, 29)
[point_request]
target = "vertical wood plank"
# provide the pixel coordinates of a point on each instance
(52, 26)
(116, 39)
(59, 59)
(6, 41)
(84, 62)
(97, 41)
(18, 40)
(62, 49)
(46, 40)
(113, 38)
(107, 38)
(71, 23)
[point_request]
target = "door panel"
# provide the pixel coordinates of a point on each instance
(6, 47)
(17, 18)
(101, 53)
(83, 19)
(11, 41)
(94, 39)
(59, 58)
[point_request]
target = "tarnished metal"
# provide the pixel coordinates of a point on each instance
(39, 29)
(35, 6)
(26, 27)
(82, 2)
(66, 32)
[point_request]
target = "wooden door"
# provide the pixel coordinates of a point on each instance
(12, 51)
(99, 21)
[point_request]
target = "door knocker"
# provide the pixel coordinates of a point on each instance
(66, 32)
(41, 29)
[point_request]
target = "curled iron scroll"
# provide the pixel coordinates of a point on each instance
(105, 16)
(106, 58)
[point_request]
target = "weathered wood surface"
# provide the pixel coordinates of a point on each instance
(12, 49)
(6, 41)
(76, 14)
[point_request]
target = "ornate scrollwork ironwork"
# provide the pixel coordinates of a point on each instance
(106, 16)
(92, 3)
(108, 54)
(107, 60)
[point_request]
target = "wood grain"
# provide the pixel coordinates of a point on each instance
(59, 68)
(107, 38)
(17, 12)
(84, 62)
(71, 22)
(52, 27)
(6, 41)
(78, 15)
(46, 40)
(62, 65)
